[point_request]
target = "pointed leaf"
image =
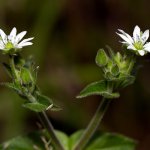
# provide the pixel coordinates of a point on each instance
(12, 86)
(28, 142)
(64, 139)
(37, 107)
(74, 138)
(111, 141)
(47, 101)
(97, 88)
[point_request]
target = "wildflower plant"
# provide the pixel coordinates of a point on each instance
(118, 72)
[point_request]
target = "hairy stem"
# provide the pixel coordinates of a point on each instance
(46, 122)
(12, 65)
(48, 125)
(93, 125)
(43, 116)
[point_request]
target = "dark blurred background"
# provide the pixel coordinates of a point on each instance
(68, 34)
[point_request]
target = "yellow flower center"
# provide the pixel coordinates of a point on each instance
(9, 45)
(138, 45)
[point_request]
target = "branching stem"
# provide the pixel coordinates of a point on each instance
(93, 125)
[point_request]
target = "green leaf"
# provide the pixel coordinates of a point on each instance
(42, 103)
(12, 86)
(98, 88)
(101, 58)
(74, 138)
(42, 99)
(104, 141)
(111, 141)
(37, 107)
(64, 139)
(28, 142)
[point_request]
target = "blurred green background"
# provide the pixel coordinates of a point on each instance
(68, 34)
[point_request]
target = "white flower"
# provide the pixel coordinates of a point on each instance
(137, 42)
(13, 40)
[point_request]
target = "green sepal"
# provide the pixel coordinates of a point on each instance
(101, 58)
(98, 88)
(26, 76)
(111, 52)
(115, 70)
(118, 58)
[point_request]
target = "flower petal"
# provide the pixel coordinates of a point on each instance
(24, 44)
(26, 40)
(12, 35)
(145, 36)
(3, 36)
(125, 38)
(20, 36)
(141, 52)
(13, 32)
(2, 46)
(127, 35)
(147, 46)
(131, 47)
(136, 33)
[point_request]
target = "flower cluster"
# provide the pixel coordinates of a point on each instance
(12, 43)
(138, 42)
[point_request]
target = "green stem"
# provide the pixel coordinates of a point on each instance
(93, 125)
(45, 120)
(12, 65)
(47, 124)
(42, 115)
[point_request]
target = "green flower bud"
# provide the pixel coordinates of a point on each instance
(101, 58)
(26, 76)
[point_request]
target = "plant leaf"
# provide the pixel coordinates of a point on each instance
(64, 139)
(97, 88)
(37, 107)
(12, 86)
(47, 101)
(28, 142)
(111, 141)
(74, 138)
